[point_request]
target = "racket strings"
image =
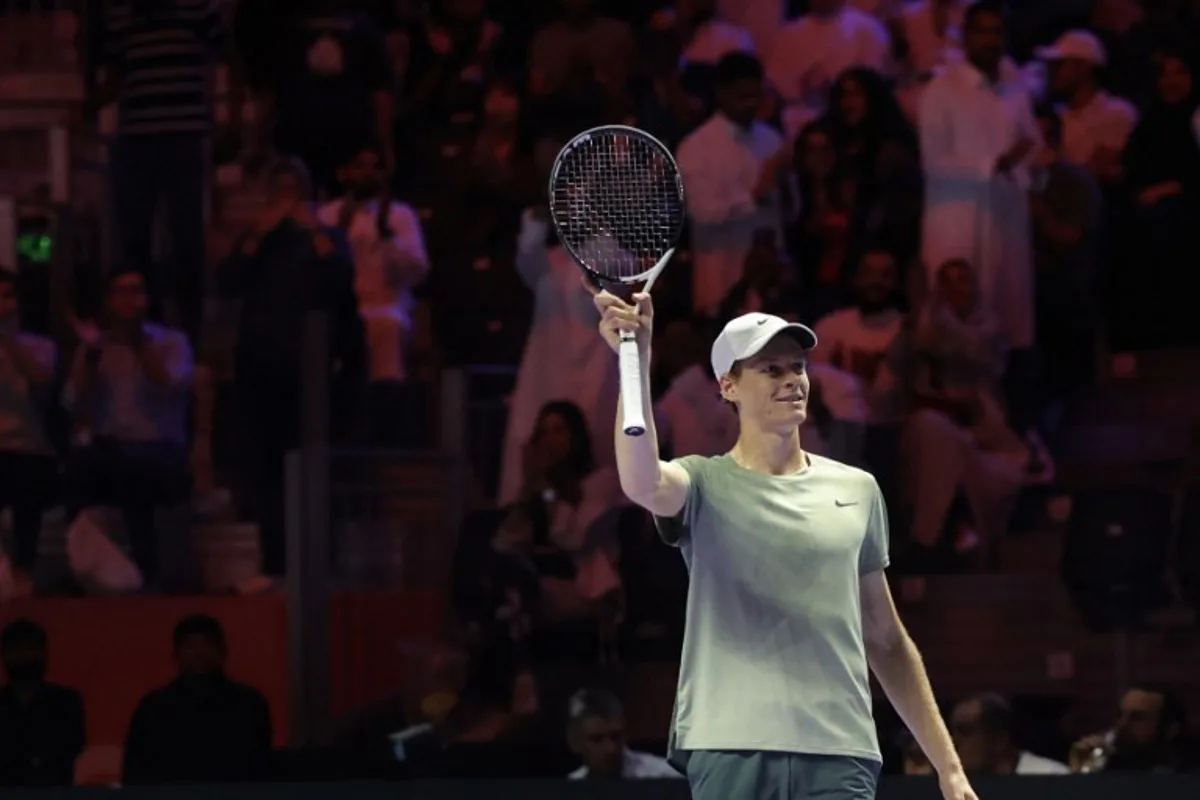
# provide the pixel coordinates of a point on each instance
(617, 198)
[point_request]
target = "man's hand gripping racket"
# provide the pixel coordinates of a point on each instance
(617, 204)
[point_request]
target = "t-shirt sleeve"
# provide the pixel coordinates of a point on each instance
(673, 530)
(873, 556)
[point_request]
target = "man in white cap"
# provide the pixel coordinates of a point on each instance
(1095, 124)
(788, 604)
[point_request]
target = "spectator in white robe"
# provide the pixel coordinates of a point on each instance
(925, 34)
(810, 52)
(762, 18)
(978, 135)
(956, 441)
(561, 360)
(388, 249)
(733, 166)
(690, 416)
(707, 37)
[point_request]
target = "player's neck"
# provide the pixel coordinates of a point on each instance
(769, 452)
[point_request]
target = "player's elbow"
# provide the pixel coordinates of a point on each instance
(659, 498)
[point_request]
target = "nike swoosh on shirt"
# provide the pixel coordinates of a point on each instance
(844, 503)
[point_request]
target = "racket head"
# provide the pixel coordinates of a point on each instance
(617, 202)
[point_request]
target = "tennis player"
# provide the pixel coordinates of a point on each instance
(788, 604)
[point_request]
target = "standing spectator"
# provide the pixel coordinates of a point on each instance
(1095, 124)
(158, 55)
(1067, 212)
(977, 136)
(28, 467)
(1150, 735)
(924, 33)
(562, 360)
(128, 393)
(809, 53)
(982, 727)
(41, 723)
(581, 40)
(286, 266)
(734, 167)
(388, 249)
(706, 36)
(690, 417)
(330, 89)
(596, 733)
(201, 727)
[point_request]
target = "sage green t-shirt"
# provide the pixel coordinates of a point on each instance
(773, 656)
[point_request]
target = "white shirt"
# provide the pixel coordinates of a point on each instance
(714, 40)
(857, 338)
(926, 48)
(809, 53)
(720, 163)
(1104, 122)
(1029, 764)
(691, 417)
(637, 766)
(761, 17)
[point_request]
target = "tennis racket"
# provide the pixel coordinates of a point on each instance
(616, 201)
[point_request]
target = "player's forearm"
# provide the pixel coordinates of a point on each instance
(901, 673)
(637, 456)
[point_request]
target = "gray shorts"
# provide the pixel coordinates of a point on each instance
(753, 775)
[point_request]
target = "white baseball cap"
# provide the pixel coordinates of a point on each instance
(1075, 44)
(744, 336)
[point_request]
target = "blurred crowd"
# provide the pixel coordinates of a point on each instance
(971, 202)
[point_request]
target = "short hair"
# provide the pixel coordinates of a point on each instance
(1045, 112)
(1174, 712)
(995, 713)
(736, 67)
(978, 9)
(20, 632)
(122, 271)
(593, 703)
(199, 625)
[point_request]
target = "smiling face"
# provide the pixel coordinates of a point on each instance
(770, 389)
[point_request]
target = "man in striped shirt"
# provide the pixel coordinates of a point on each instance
(158, 56)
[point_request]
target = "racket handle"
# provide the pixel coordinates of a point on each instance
(633, 420)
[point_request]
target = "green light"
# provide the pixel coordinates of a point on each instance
(35, 247)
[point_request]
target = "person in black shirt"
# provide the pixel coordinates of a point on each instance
(202, 726)
(41, 724)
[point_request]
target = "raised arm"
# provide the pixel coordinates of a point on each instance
(659, 487)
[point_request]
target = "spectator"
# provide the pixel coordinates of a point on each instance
(565, 523)
(1162, 166)
(388, 250)
(915, 761)
(877, 151)
(857, 383)
(982, 727)
(822, 239)
(128, 393)
(158, 55)
(977, 137)
(596, 733)
(690, 416)
(1095, 124)
(581, 40)
(763, 18)
(1150, 735)
(201, 727)
(489, 708)
(769, 282)
(808, 54)
(562, 358)
(330, 90)
(706, 36)
(284, 268)
(1066, 208)
(41, 723)
(734, 167)
(28, 467)
(923, 34)
(956, 439)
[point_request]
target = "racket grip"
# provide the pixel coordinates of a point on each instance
(633, 420)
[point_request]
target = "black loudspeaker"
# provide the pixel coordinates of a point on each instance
(1115, 556)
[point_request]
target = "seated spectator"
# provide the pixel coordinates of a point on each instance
(41, 723)
(563, 358)
(285, 267)
(128, 395)
(581, 39)
(564, 523)
(495, 702)
(822, 238)
(706, 37)
(982, 727)
(201, 727)
(28, 467)
(596, 733)
(769, 282)
(388, 250)
(1150, 735)
(915, 761)
(858, 386)
(955, 439)
(690, 417)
